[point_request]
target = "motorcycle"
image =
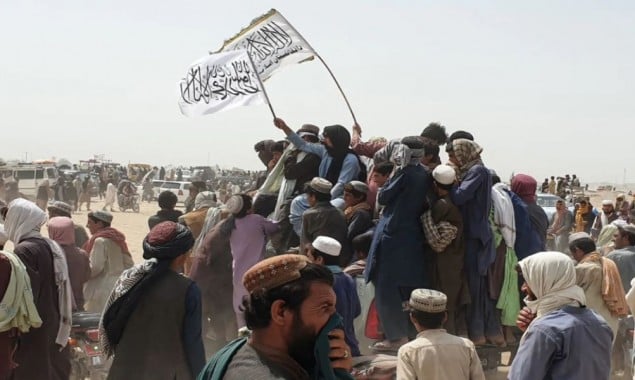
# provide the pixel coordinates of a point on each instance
(128, 202)
(87, 359)
(148, 195)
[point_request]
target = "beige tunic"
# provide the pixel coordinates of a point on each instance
(107, 262)
(589, 278)
(435, 354)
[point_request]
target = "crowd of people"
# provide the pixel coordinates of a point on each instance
(269, 277)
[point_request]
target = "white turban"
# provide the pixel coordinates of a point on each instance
(552, 279)
(24, 219)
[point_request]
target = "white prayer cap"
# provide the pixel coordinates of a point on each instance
(444, 174)
(577, 236)
(234, 204)
(619, 222)
(327, 245)
(428, 300)
(607, 202)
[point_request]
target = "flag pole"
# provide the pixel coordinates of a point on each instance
(325, 65)
(253, 67)
(338, 85)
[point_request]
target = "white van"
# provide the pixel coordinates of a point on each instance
(29, 177)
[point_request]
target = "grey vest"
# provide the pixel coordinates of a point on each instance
(151, 347)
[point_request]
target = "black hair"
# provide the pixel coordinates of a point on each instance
(167, 199)
(257, 306)
(460, 135)
(431, 150)
(362, 242)
(412, 142)
(279, 146)
(320, 197)
(586, 245)
(428, 320)
(436, 132)
(630, 236)
(327, 259)
(384, 168)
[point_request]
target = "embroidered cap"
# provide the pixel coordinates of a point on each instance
(428, 300)
(327, 245)
(273, 272)
(321, 185)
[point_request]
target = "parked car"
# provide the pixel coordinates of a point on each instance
(156, 187)
(29, 177)
(180, 188)
(548, 203)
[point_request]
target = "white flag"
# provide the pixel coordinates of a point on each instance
(272, 43)
(218, 82)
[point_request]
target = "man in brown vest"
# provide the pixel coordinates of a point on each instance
(152, 321)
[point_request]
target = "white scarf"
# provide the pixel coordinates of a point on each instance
(504, 213)
(552, 279)
(17, 309)
(24, 220)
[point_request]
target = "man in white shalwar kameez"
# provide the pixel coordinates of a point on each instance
(111, 195)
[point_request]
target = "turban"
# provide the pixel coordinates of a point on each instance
(167, 241)
(205, 199)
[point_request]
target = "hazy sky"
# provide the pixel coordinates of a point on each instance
(547, 87)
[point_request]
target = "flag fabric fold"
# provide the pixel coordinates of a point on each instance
(219, 82)
(272, 42)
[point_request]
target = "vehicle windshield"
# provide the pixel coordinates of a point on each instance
(171, 185)
(547, 201)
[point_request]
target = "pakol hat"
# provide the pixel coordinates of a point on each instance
(327, 245)
(321, 185)
(444, 174)
(358, 186)
(62, 207)
(274, 272)
(103, 216)
(428, 300)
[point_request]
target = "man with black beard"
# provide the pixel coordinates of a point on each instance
(296, 333)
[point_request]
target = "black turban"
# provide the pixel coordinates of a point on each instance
(167, 241)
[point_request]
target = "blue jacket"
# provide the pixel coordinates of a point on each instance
(473, 197)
